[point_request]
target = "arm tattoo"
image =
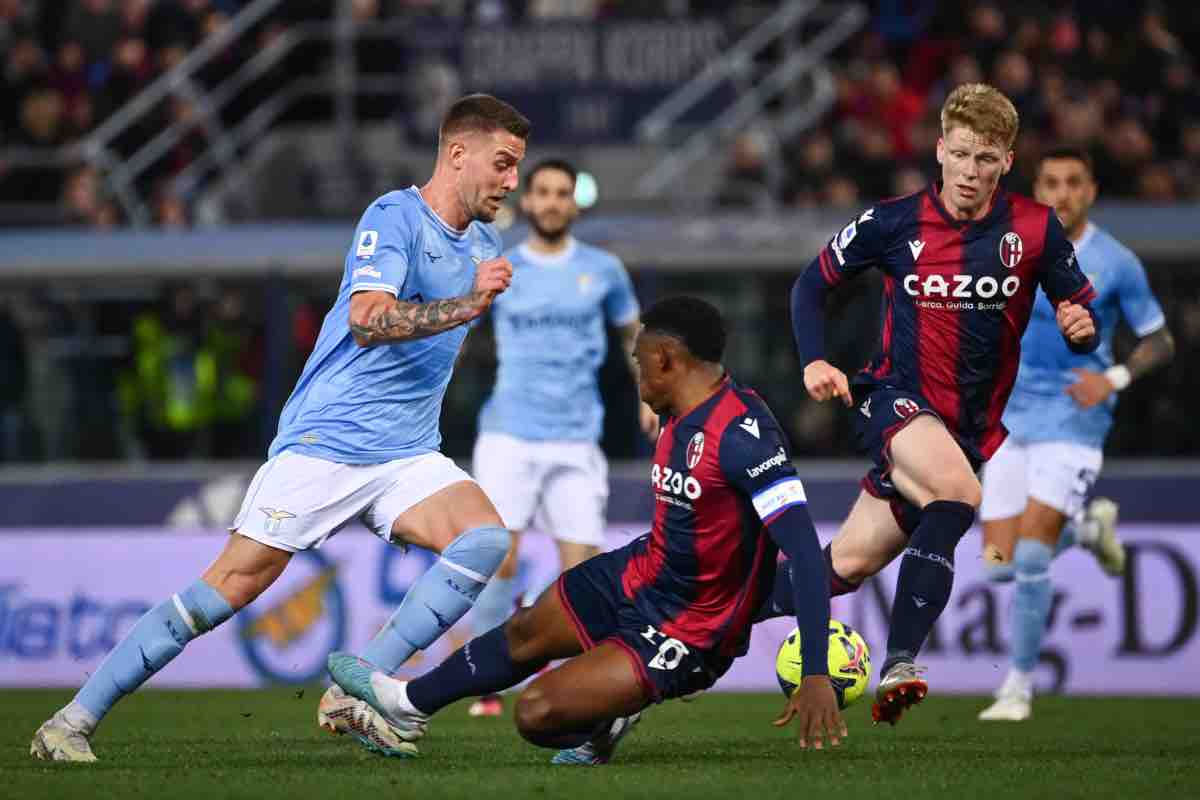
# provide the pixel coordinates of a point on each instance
(400, 321)
(1150, 353)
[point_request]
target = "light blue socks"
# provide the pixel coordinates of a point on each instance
(495, 604)
(440, 597)
(999, 572)
(1031, 601)
(154, 641)
(1005, 572)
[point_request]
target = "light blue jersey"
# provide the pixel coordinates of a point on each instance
(1040, 409)
(551, 340)
(368, 405)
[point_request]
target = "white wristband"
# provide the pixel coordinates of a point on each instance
(1119, 376)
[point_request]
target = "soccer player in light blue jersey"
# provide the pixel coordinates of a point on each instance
(537, 455)
(1058, 417)
(358, 438)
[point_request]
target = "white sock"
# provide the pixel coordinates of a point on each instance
(1022, 681)
(79, 718)
(393, 694)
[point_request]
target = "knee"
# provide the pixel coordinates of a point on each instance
(961, 488)
(480, 549)
(852, 568)
(535, 715)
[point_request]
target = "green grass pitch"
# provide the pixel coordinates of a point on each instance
(265, 744)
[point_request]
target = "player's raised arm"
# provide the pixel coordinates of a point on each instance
(376, 317)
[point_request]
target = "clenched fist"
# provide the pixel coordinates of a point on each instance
(491, 278)
(1075, 322)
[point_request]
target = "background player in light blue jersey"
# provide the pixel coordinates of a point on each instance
(358, 438)
(537, 455)
(1058, 417)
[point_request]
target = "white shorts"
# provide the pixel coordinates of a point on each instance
(1057, 474)
(559, 486)
(296, 502)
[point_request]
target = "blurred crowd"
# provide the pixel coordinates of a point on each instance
(68, 65)
(1118, 79)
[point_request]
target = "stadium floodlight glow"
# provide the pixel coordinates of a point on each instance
(587, 191)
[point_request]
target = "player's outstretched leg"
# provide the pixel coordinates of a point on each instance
(243, 570)
(460, 523)
(931, 471)
(440, 597)
(1031, 605)
(501, 658)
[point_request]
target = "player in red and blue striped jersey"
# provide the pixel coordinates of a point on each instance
(961, 262)
(666, 615)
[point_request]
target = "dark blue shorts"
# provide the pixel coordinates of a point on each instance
(880, 412)
(595, 600)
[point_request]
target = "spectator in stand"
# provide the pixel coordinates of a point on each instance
(96, 26)
(748, 180)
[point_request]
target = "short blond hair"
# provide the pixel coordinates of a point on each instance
(983, 110)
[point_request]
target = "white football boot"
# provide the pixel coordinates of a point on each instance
(1105, 545)
(1014, 700)
(58, 740)
(383, 693)
(339, 713)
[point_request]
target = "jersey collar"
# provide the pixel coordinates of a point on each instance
(560, 259)
(1089, 230)
(999, 205)
(453, 233)
(725, 383)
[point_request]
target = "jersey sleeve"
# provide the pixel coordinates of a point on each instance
(381, 250)
(755, 460)
(857, 247)
(620, 303)
(1139, 306)
(1061, 278)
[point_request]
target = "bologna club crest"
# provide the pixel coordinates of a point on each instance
(1011, 249)
(905, 408)
(695, 450)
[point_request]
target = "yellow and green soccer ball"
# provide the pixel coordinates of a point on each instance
(849, 663)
